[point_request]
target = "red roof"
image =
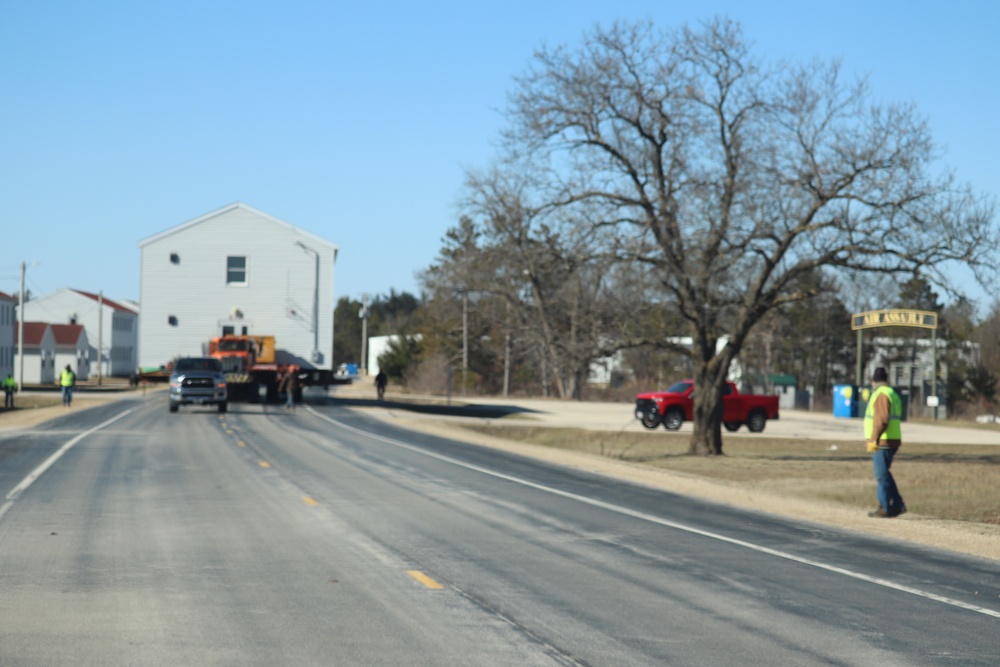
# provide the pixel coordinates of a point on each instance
(4, 295)
(108, 302)
(65, 334)
(33, 332)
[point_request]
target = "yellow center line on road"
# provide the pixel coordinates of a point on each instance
(241, 443)
(309, 501)
(264, 464)
(424, 579)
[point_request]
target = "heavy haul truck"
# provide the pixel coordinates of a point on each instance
(249, 364)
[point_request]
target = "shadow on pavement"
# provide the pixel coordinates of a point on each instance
(479, 411)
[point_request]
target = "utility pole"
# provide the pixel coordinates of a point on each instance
(465, 338)
(20, 335)
(100, 336)
(363, 314)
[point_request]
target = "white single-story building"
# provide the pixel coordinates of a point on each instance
(72, 349)
(39, 354)
(108, 323)
(236, 271)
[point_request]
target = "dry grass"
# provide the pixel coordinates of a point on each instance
(32, 402)
(945, 481)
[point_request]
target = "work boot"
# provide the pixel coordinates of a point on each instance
(880, 513)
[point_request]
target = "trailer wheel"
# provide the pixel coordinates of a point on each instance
(223, 407)
(272, 392)
(756, 421)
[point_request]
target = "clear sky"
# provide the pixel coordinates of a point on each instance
(355, 120)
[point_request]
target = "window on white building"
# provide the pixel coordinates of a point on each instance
(236, 270)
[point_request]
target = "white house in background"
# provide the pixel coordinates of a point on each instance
(39, 354)
(110, 323)
(236, 270)
(72, 349)
(8, 316)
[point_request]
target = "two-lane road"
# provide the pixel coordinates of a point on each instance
(132, 536)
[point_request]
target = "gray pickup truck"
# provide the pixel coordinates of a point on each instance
(198, 381)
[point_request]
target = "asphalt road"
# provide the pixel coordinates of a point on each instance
(325, 537)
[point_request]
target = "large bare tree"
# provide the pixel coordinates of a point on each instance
(733, 180)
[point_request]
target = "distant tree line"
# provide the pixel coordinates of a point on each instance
(504, 341)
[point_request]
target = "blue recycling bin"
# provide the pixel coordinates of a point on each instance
(845, 400)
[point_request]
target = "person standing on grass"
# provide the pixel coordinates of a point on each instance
(67, 381)
(883, 431)
(9, 387)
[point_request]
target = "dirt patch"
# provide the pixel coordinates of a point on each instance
(971, 538)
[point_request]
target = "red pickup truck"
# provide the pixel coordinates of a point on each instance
(676, 405)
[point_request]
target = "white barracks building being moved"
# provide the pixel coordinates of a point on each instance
(236, 270)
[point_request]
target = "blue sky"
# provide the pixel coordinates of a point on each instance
(355, 121)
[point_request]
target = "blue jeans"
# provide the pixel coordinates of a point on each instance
(888, 495)
(67, 394)
(290, 399)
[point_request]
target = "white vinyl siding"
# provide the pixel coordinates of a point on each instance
(113, 328)
(276, 301)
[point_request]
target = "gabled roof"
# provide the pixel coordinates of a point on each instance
(34, 332)
(114, 305)
(226, 209)
(7, 297)
(66, 335)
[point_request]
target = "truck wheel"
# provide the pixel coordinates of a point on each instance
(223, 407)
(173, 408)
(672, 419)
(650, 419)
(732, 427)
(756, 421)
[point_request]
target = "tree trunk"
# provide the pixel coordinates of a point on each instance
(710, 376)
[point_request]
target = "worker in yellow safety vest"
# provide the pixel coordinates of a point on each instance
(9, 387)
(67, 381)
(883, 432)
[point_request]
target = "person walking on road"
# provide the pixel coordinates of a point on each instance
(380, 382)
(9, 388)
(883, 431)
(290, 384)
(67, 381)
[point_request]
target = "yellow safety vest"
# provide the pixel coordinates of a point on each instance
(893, 431)
(67, 378)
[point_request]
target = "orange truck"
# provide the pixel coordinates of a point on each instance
(249, 363)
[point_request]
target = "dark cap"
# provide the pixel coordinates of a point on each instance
(880, 375)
